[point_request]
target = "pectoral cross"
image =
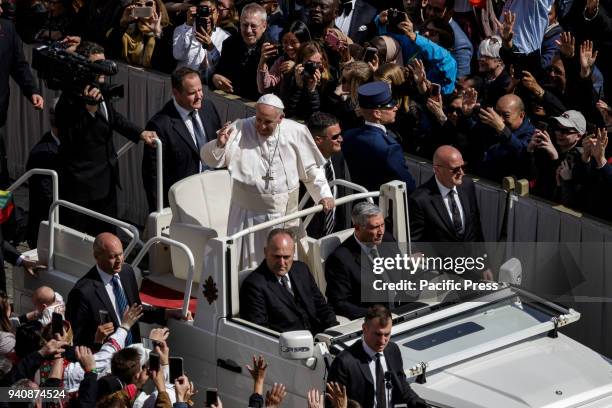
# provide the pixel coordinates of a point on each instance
(267, 178)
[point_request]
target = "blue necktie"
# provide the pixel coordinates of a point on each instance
(122, 304)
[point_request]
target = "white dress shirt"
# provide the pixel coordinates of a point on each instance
(108, 286)
(280, 281)
(188, 121)
(444, 192)
(189, 52)
(378, 125)
(344, 22)
(372, 366)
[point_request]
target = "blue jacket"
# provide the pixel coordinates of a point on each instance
(508, 155)
(375, 158)
(440, 64)
(462, 50)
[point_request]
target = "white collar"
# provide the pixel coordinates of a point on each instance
(368, 350)
(54, 137)
(364, 247)
(443, 189)
(106, 278)
(378, 125)
(182, 111)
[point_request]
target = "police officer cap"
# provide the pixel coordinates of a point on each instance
(375, 95)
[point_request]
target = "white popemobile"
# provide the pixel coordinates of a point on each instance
(497, 349)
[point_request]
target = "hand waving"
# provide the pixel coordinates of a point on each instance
(275, 396)
(567, 44)
(587, 58)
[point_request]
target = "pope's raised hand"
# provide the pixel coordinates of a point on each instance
(223, 134)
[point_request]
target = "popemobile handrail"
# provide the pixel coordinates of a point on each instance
(299, 214)
(129, 229)
(39, 172)
(171, 242)
(160, 175)
(159, 157)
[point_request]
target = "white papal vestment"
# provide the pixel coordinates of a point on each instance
(287, 156)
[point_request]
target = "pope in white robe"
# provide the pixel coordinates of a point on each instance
(267, 156)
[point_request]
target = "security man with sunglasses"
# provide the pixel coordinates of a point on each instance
(444, 209)
(373, 155)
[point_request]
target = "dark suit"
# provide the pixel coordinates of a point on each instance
(44, 155)
(13, 63)
(351, 368)
(90, 172)
(316, 228)
(429, 218)
(181, 156)
(375, 158)
(89, 296)
(264, 301)
(363, 16)
(431, 222)
(239, 64)
(343, 273)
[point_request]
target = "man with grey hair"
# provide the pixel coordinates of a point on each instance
(343, 268)
(237, 69)
(267, 157)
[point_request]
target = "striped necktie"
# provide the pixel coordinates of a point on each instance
(122, 304)
(330, 216)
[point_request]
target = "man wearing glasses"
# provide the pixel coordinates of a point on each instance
(444, 209)
(237, 69)
(373, 155)
(198, 43)
(327, 135)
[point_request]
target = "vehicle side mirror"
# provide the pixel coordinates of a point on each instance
(511, 271)
(296, 345)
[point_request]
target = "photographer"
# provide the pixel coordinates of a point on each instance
(278, 76)
(312, 83)
(89, 172)
(197, 44)
(143, 37)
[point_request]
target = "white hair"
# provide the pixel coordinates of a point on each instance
(254, 9)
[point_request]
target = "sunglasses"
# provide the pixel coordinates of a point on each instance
(336, 136)
(145, 4)
(454, 170)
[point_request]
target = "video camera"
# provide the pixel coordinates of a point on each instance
(71, 72)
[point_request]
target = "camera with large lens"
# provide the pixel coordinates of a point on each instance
(72, 72)
(310, 67)
(201, 17)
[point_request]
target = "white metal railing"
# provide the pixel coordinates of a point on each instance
(160, 179)
(337, 182)
(299, 214)
(191, 266)
(40, 172)
(160, 175)
(129, 229)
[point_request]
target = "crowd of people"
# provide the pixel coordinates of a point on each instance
(521, 88)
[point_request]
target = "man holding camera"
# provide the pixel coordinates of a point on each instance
(197, 44)
(89, 172)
